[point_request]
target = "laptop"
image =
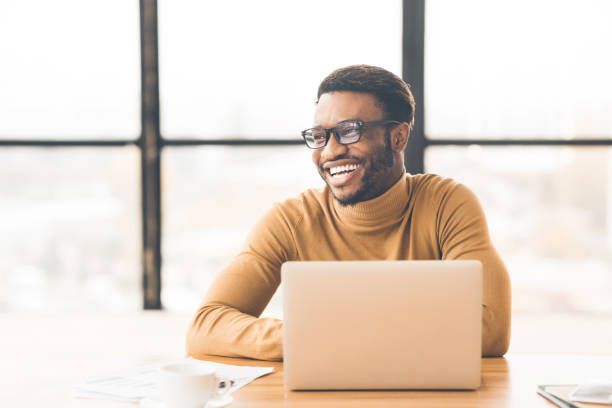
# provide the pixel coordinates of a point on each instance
(382, 324)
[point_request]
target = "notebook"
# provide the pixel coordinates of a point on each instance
(382, 324)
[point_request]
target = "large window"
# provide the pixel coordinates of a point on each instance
(69, 212)
(513, 99)
(527, 83)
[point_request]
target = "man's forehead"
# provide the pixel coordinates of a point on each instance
(335, 107)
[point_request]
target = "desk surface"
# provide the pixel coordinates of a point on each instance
(41, 356)
(506, 382)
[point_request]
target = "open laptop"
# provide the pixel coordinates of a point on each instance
(382, 324)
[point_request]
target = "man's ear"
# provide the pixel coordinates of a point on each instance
(399, 137)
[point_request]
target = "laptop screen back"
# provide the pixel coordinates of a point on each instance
(382, 324)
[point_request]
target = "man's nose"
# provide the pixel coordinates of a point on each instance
(333, 148)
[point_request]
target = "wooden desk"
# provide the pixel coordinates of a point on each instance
(40, 356)
(506, 382)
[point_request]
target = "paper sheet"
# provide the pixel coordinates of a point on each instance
(561, 396)
(136, 383)
(593, 391)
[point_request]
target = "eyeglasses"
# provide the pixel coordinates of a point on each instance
(346, 132)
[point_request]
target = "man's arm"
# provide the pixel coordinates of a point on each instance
(464, 234)
(227, 322)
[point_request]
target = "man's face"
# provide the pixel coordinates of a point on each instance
(370, 161)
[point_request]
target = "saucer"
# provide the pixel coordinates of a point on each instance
(222, 402)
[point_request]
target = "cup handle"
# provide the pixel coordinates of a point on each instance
(223, 386)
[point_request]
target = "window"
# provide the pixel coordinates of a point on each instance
(69, 209)
(254, 83)
(514, 99)
(70, 70)
(518, 69)
(550, 215)
(516, 92)
(70, 229)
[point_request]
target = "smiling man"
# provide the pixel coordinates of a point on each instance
(370, 210)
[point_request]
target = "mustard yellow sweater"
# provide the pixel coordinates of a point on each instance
(419, 217)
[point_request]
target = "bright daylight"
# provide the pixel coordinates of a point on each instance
(381, 203)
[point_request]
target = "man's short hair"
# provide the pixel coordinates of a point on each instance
(392, 93)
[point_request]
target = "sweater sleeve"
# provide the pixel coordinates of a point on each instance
(227, 323)
(463, 234)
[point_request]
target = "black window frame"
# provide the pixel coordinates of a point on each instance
(151, 143)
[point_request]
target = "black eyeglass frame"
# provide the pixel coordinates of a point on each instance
(359, 125)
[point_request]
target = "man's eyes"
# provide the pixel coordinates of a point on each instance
(349, 130)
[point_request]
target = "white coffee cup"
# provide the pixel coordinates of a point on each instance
(189, 385)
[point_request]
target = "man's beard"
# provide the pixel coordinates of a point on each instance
(382, 160)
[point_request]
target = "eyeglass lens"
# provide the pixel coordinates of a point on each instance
(346, 133)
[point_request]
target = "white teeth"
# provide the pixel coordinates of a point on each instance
(338, 169)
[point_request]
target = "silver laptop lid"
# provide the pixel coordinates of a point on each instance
(382, 324)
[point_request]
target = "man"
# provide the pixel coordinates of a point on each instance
(371, 210)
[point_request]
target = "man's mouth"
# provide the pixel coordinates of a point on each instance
(337, 171)
(339, 176)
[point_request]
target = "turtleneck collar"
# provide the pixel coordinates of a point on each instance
(383, 210)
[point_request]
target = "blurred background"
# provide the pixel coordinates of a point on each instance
(516, 103)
